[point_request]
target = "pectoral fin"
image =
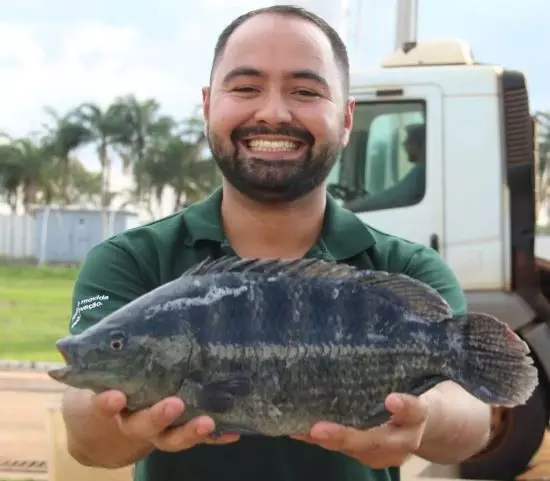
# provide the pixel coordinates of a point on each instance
(218, 395)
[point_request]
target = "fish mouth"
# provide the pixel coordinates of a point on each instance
(61, 373)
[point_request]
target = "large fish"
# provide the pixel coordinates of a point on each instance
(271, 346)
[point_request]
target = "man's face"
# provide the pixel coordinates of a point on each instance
(414, 151)
(411, 148)
(277, 115)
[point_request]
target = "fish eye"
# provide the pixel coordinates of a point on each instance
(116, 342)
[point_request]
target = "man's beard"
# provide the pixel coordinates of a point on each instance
(274, 180)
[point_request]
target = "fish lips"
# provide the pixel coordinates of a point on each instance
(61, 373)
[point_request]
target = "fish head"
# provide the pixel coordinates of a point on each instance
(142, 349)
(103, 357)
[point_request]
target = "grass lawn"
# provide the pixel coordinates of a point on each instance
(35, 307)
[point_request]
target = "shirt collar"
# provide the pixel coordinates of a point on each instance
(343, 235)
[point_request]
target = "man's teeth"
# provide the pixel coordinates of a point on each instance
(272, 145)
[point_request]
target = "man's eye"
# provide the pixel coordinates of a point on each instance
(244, 89)
(307, 93)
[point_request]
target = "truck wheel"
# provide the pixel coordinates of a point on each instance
(524, 432)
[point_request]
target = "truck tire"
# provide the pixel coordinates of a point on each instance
(522, 437)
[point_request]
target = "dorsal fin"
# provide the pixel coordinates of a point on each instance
(303, 267)
(419, 298)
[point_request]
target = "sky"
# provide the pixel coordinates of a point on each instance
(60, 53)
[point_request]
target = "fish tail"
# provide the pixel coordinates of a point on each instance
(498, 368)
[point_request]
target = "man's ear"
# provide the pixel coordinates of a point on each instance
(206, 103)
(206, 108)
(348, 120)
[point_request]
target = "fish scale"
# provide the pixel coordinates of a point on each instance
(269, 346)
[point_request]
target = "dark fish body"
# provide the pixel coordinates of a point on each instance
(272, 346)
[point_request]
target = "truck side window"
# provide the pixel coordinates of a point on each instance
(383, 165)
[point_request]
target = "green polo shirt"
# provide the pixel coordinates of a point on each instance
(136, 261)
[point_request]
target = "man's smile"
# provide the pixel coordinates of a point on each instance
(273, 147)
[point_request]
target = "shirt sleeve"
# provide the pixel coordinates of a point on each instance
(108, 279)
(427, 266)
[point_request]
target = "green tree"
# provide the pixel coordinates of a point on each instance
(27, 172)
(158, 152)
(106, 130)
(176, 160)
(62, 138)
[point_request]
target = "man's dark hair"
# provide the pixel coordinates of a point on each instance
(338, 46)
(416, 133)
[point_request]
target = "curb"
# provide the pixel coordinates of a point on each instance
(35, 366)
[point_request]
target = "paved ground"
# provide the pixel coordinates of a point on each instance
(24, 398)
(23, 417)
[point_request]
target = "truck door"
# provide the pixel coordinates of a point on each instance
(391, 172)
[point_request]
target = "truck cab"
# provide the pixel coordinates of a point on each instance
(442, 153)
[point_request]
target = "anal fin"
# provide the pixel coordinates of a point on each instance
(420, 386)
(381, 415)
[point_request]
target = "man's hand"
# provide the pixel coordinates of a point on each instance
(445, 425)
(385, 446)
(101, 434)
(151, 424)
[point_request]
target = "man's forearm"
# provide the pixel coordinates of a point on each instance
(458, 426)
(94, 440)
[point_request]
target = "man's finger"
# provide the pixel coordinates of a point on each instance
(341, 438)
(381, 440)
(407, 410)
(196, 431)
(150, 422)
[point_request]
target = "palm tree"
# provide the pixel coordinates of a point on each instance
(176, 162)
(194, 175)
(106, 129)
(85, 186)
(143, 124)
(62, 138)
(161, 153)
(10, 177)
(27, 172)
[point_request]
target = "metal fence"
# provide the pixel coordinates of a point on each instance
(58, 235)
(17, 236)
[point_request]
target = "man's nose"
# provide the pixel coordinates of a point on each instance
(273, 110)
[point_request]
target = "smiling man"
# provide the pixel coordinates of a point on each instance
(277, 113)
(276, 122)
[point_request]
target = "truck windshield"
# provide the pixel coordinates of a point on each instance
(383, 165)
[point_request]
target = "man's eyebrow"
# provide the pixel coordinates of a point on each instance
(309, 75)
(242, 72)
(253, 72)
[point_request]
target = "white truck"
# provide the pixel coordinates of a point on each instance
(469, 193)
